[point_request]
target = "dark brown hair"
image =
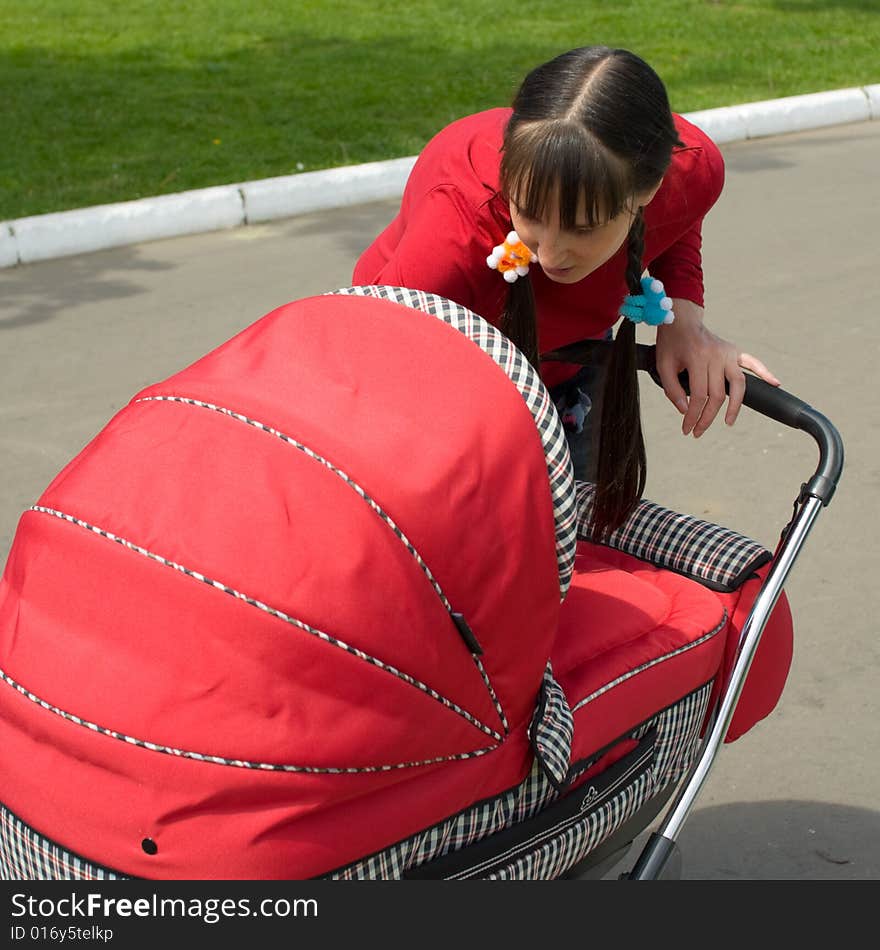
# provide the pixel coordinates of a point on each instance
(593, 127)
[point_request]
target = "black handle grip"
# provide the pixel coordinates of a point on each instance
(771, 401)
(774, 402)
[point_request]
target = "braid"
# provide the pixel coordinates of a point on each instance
(635, 250)
(622, 462)
(519, 321)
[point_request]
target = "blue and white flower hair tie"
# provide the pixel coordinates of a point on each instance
(651, 306)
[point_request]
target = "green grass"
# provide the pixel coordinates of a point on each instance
(108, 100)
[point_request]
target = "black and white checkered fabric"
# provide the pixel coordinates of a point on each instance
(677, 730)
(527, 381)
(717, 557)
(25, 855)
(552, 729)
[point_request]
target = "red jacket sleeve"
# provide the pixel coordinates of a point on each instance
(681, 267)
(694, 183)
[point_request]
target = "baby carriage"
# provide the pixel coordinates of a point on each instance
(321, 605)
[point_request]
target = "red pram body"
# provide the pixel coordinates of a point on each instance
(320, 605)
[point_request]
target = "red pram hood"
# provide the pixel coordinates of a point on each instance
(281, 581)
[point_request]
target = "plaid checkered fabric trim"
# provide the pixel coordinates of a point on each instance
(677, 736)
(559, 848)
(25, 855)
(673, 752)
(527, 381)
(716, 557)
(552, 729)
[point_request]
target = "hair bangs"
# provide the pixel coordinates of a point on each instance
(546, 165)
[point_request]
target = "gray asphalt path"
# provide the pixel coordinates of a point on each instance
(790, 258)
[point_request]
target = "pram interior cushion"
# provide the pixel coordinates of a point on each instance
(632, 639)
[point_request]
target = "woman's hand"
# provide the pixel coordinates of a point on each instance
(686, 344)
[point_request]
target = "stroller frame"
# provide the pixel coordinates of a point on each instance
(600, 800)
(660, 855)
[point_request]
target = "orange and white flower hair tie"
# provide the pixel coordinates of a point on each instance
(512, 258)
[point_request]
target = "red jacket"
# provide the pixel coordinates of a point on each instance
(452, 215)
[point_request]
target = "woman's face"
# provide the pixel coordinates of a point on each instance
(569, 255)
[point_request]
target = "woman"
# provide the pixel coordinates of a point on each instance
(600, 181)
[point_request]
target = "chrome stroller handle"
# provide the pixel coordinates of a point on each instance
(782, 406)
(816, 493)
(761, 397)
(661, 845)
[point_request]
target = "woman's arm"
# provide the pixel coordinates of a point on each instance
(696, 181)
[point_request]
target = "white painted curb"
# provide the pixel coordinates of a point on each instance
(8, 246)
(41, 237)
(314, 191)
(129, 222)
(780, 116)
